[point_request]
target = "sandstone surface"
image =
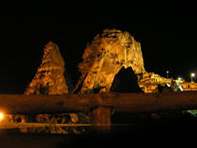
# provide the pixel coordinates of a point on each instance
(49, 78)
(102, 60)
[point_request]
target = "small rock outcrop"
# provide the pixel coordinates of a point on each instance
(103, 59)
(49, 78)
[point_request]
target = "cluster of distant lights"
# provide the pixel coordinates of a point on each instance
(192, 75)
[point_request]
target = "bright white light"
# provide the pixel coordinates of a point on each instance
(192, 74)
(179, 78)
(1, 116)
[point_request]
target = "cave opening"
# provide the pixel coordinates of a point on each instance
(125, 81)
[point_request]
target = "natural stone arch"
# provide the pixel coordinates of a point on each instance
(103, 59)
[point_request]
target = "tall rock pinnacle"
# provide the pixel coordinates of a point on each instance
(49, 78)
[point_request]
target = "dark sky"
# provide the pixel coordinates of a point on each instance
(168, 38)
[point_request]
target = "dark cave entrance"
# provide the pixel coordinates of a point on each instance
(125, 82)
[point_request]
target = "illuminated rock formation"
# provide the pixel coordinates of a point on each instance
(149, 82)
(49, 78)
(103, 59)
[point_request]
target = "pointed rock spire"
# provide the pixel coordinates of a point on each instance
(49, 78)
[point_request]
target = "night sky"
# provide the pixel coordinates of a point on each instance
(168, 39)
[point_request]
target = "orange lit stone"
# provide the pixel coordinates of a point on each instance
(103, 59)
(49, 78)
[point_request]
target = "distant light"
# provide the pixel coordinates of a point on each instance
(167, 72)
(179, 78)
(1, 116)
(192, 74)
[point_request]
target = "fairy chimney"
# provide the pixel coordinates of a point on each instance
(49, 78)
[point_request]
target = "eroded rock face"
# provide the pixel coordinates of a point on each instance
(102, 60)
(49, 78)
(150, 81)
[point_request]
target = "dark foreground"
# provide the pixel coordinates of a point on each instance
(168, 130)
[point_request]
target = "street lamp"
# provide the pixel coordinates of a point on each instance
(192, 76)
(167, 72)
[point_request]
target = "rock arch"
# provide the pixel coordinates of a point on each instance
(102, 60)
